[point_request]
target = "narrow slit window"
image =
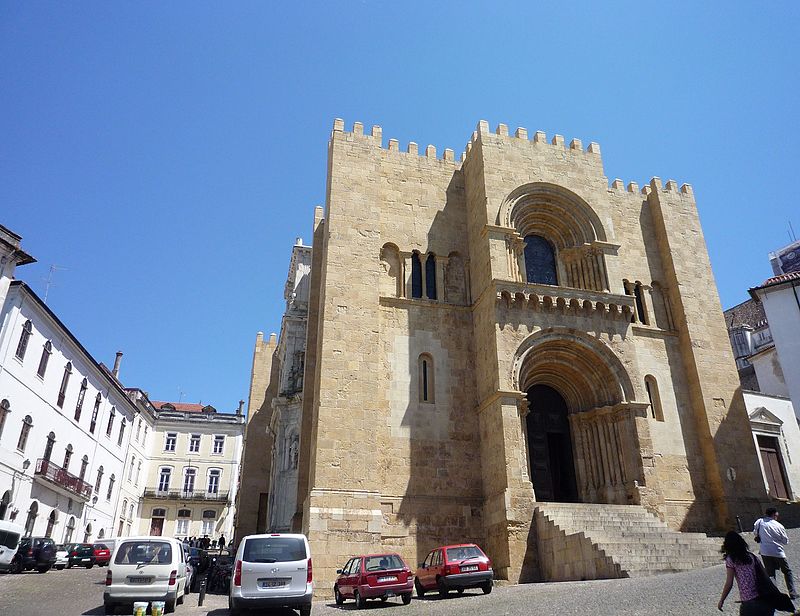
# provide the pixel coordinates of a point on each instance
(24, 337)
(62, 391)
(416, 276)
(95, 411)
(641, 312)
(81, 396)
(430, 277)
(47, 350)
(656, 411)
(426, 378)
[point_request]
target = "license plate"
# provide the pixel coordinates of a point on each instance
(274, 582)
(85, 560)
(469, 568)
(140, 580)
(387, 578)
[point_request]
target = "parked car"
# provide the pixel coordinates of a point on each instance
(81, 555)
(146, 569)
(62, 556)
(34, 553)
(374, 576)
(101, 554)
(454, 567)
(10, 534)
(272, 571)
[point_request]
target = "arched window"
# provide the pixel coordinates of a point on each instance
(121, 432)
(656, 412)
(430, 277)
(426, 379)
(51, 522)
(5, 409)
(641, 309)
(84, 466)
(5, 501)
(81, 396)
(30, 520)
(110, 491)
(22, 345)
(62, 391)
(189, 475)
(23, 434)
(182, 527)
(110, 425)
(70, 529)
(209, 516)
(48, 448)
(214, 476)
(99, 479)
(540, 261)
(95, 411)
(47, 350)
(416, 275)
(130, 468)
(138, 472)
(67, 457)
(159, 513)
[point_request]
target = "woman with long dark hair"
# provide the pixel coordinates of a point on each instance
(740, 564)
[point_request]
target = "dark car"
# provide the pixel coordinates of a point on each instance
(454, 567)
(199, 560)
(81, 555)
(374, 576)
(101, 554)
(34, 553)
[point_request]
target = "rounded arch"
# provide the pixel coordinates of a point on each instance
(5, 501)
(584, 370)
(553, 212)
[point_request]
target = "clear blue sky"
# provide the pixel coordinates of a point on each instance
(167, 154)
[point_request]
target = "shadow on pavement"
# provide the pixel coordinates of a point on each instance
(95, 611)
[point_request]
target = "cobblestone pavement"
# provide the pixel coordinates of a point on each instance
(75, 592)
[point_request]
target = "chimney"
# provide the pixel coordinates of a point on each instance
(239, 410)
(117, 362)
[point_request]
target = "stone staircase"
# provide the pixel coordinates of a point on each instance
(578, 541)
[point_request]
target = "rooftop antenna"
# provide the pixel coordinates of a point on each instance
(49, 280)
(181, 394)
(791, 231)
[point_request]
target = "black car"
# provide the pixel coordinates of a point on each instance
(200, 561)
(81, 555)
(34, 553)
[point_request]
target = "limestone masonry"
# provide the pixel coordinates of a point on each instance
(495, 332)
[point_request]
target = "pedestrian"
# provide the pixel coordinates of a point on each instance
(221, 541)
(740, 564)
(771, 537)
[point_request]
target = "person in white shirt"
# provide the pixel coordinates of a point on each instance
(771, 537)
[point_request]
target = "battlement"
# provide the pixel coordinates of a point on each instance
(375, 137)
(655, 185)
(539, 139)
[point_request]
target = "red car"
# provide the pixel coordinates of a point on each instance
(101, 554)
(455, 567)
(374, 576)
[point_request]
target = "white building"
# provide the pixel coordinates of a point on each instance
(65, 426)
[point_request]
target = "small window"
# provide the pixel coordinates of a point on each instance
(426, 382)
(163, 479)
(84, 466)
(81, 396)
(48, 448)
(159, 513)
(24, 432)
(24, 337)
(121, 432)
(416, 275)
(138, 472)
(5, 409)
(430, 277)
(170, 441)
(62, 391)
(95, 412)
(138, 429)
(194, 443)
(641, 309)
(540, 261)
(99, 479)
(67, 457)
(130, 468)
(47, 350)
(656, 412)
(219, 443)
(209, 514)
(110, 425)
(110, 491)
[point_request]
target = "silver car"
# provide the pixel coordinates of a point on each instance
(272, 571)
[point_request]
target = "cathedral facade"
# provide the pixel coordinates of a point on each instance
(502, 330)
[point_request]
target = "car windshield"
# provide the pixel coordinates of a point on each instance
(143, 552)
(274, 550)
(9, 539)
(100, 546)
(463, 553)
(384, 562)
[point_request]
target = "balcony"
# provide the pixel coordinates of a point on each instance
(62, 480)
(565, 300)
(187, 495)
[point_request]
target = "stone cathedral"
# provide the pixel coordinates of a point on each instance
(507, 349)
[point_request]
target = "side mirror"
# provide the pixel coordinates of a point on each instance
(338, 572)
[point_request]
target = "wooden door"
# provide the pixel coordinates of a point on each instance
(773, 469)
(156, 526)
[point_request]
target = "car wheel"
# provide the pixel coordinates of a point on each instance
(60, 567)
(420, 589)
(89, 566)
(486, 588)
(109, 608)
(42, 569)
(360, 601)
(169, 605)
(460, 591)
(16, 566)
(337, 596)
(443, 590)
(233, 611)
(384, 599)
(406, 598)
(305, 610)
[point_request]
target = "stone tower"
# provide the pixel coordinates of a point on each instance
(507, 329)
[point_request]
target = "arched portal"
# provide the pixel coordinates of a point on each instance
(52, 519)
(4, 503)
(585, 439)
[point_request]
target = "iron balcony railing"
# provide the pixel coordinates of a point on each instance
(196, 495)
(62, 477)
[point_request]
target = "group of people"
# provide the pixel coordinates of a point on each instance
(755, 580)
(205, 542)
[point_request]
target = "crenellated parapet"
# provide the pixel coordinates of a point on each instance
(375, 138)
(654, 185)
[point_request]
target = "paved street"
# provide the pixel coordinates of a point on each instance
(79, 592)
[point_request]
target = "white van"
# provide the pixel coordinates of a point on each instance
(9, 542)
(145, 569)
(272, 571)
